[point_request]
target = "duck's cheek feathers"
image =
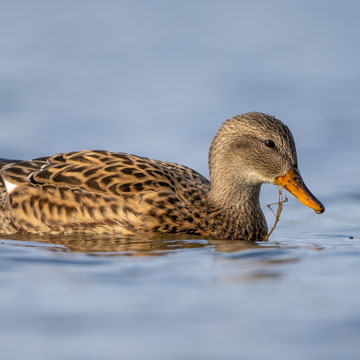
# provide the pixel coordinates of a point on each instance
(255, 178)
(293, 182)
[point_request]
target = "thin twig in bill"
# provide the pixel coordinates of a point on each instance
(280, 205)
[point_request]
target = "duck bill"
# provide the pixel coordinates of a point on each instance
(294, 183)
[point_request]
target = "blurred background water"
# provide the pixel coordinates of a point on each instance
(157, 78)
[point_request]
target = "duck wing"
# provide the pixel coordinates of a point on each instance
(101, 191)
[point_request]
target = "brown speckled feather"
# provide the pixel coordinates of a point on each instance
(103, 192)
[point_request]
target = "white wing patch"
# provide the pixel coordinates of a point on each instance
(10, 187)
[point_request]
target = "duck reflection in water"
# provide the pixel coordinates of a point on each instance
(131, 245)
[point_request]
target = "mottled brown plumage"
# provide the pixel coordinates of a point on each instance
(103, 192)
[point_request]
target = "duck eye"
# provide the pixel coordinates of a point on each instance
(269, 143)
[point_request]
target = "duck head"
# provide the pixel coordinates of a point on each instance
(252, 149)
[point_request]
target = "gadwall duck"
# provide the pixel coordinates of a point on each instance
(103, 192)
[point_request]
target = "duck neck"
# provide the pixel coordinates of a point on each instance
(234, 211)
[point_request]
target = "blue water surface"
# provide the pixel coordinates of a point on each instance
(157, 78)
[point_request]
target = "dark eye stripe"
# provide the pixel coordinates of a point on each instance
(269, 143)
